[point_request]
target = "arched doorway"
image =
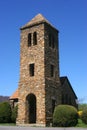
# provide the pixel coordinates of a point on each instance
(31, 99)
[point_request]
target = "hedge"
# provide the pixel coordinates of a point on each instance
(65, 116)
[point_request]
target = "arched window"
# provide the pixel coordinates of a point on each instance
(29, 39)
(34, 38)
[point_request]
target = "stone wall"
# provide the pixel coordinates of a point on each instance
(36, 84)
(52, 84)
(43, 88)
(41, 84)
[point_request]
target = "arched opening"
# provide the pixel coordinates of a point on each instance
(31, 99)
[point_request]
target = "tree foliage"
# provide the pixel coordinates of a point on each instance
(5, 112)
(84, 116)
(14, 114)
(82, 107)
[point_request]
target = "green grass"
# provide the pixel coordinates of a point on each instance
(81, 124)
(7, 124)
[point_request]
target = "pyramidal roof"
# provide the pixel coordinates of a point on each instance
(36, 20)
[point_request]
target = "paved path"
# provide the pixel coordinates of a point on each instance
(37, 128)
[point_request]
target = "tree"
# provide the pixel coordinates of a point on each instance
(14, 114)
(82, 107)
(5, 112)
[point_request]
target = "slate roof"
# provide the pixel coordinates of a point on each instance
(37, 20)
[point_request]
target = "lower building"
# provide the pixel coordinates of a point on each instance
(67, 97)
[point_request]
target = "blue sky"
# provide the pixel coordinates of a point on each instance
(68, 16)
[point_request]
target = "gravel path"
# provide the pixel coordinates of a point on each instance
(37, 128)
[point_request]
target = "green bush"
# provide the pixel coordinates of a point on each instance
(14, 114)
(84, 116)
(5, 112)
(65, 116)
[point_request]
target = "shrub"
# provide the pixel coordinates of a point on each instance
(14, 114)
(65, 116)
(5, 112)
(84, 116)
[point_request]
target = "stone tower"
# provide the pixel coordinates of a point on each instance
(39, 85)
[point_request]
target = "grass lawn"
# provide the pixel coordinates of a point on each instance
(7, 124)
(81, 124)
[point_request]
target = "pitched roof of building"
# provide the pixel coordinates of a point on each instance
(15, 95)
(37, 20)
(63, 79)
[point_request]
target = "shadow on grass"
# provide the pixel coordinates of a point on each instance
(80, 124)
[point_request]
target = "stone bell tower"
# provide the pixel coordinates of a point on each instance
(39, 85)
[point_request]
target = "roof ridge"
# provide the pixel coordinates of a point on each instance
(36, 20)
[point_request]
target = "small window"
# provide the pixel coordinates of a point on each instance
(51, 41)
(53, 105)
(70, 102)
(52, 70)
(66, 98)
(29, 39)
(34, 38)
(62, 98)
(31, 69)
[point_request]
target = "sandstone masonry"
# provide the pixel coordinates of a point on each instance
(39, 88)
